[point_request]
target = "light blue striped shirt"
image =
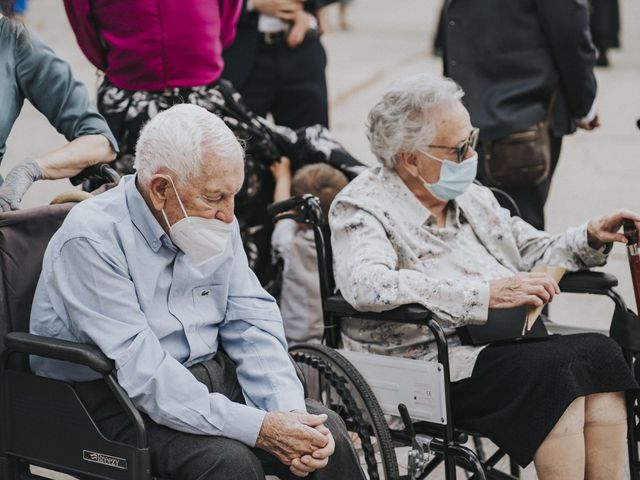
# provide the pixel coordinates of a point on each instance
(112, 277)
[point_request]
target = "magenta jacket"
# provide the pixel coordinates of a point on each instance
(155, 44)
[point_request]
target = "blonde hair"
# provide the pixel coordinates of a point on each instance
(321, 180)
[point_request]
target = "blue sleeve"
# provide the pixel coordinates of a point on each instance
(97, 295)
(47, 81)
(253, 336)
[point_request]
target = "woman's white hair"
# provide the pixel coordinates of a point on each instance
(181, 138)
(403, 119)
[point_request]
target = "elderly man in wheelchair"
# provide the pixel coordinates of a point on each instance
(153, 273)
(417, 230)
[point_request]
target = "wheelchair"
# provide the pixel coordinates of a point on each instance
(43, 421)
(351, 383)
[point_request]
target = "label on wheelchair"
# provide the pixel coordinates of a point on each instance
(416, 383)
(102, 459)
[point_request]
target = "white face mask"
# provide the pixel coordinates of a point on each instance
(200, 239)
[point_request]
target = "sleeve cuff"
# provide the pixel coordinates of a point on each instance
(288, 401)
(590, 256)
(243, 423)
(588, 118)
(479, 311)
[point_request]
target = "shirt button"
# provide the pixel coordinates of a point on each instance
(155, 244)
(453, 63)
(452, 23)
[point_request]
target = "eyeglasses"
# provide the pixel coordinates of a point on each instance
(459, 150)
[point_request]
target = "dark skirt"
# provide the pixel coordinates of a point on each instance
(518, 391)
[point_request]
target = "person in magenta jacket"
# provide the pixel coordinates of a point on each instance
(154, 54)
(158, 53)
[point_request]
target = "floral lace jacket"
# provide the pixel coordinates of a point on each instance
(388, 251)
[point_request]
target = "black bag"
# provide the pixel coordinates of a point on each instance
(523, 158)
(502, 325)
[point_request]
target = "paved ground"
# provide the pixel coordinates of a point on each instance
(598, 171)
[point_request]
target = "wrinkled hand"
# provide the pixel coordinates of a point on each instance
(301, 25)
(301, 467)
(592, 125)
(526, 288)
(604, 229)
(283, 9)
(281, 169)
(292, 435)
(17, 183)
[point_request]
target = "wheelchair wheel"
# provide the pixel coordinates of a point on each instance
(334, 382)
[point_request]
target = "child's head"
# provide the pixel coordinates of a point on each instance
(321, 180)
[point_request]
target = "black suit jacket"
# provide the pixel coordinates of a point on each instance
(509, 56)
(240, 56)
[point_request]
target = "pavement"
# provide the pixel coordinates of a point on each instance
(598, 171)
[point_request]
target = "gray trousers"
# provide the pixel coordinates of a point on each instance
(183, 456)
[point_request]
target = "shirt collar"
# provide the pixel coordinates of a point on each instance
(412, 210)
(141, 215)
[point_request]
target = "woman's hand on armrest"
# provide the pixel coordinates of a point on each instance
(525, 288)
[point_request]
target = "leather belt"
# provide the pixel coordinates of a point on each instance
(271, 38)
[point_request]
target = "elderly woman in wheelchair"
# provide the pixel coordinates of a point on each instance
(416, 230)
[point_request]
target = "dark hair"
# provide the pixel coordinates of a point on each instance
(7, 7)
(321, 180)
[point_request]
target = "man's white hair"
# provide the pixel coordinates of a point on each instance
(181, 138)
(403, 119)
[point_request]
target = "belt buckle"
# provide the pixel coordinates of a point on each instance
(271, 38)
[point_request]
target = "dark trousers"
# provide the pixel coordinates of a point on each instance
(183, 456)
(530, 200)
(289, 83)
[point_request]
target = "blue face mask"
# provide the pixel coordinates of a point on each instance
(454, 179)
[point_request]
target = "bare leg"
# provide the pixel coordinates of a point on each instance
(562, 454)
(605, 435)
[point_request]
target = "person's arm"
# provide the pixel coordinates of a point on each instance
(230, 11)
(253, 336)
(48, 83)
(281, 171)
(96, 293)
(566, 26)
(367, 274)
(569, 250)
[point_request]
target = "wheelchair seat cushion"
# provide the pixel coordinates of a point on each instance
(24, 235)
(519, 390)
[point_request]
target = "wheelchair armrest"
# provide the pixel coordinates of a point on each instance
(79, 353)
(407, 313)
(587, 281)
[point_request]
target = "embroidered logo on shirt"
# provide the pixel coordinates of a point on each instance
(204, 293)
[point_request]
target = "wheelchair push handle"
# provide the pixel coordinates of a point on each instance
(303, 208)
(100, 171)
(285, 205)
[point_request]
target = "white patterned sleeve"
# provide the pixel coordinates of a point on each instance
(366, 273)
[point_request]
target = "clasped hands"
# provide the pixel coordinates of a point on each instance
(538, 288)
(288, 10)
(298, 439)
